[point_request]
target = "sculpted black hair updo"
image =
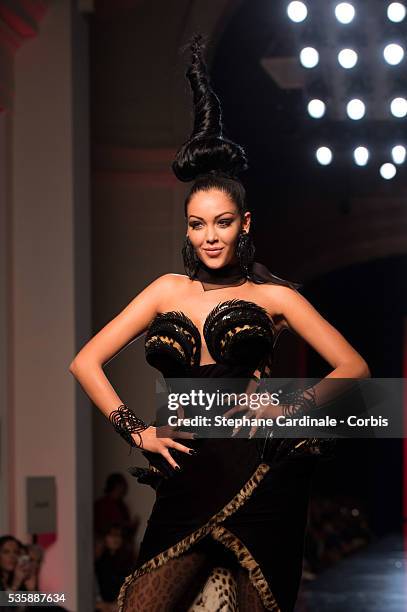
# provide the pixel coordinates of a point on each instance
(211, 160)
(207, 157)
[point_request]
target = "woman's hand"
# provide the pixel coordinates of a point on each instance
(154, 444)
(21, 573)
(31, 581)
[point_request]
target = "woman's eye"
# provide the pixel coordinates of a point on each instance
(222, 222)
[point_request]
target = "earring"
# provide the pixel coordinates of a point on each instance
(245, 250)
(191, 260)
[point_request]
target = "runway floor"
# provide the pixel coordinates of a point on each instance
(372, 580)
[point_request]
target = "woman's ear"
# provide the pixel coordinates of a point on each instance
(246, 221)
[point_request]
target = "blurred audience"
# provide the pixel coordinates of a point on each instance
(15, 565)
(114, 561)
(114, 556)
(19, 570)
(337, 527)
(111, 509)
(114, 542)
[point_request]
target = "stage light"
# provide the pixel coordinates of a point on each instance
(356, 109)
(309, 57)
(388, 171)
(344, 12)
(324, 156)
(396, 12)
(347, 58)
(393, 54)
(398, 154)
(361, 156)
(398, 107)
(316, 108)
(297, 11)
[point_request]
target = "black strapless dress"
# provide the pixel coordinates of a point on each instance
(251, 498)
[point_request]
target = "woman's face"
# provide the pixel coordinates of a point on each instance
(9, 554)
(114, 540)
(214, 224)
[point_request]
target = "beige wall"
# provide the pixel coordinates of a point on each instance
(50, 292)
(5, 345)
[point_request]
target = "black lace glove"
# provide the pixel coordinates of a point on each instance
(162, 468)
(146, 475)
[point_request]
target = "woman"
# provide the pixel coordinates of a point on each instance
(113, 564)
(113, 509)
(232, 506)
(15, 566)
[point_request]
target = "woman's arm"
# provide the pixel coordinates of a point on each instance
(87, 366)
(306, 321)
(131, 322)
(346, 362)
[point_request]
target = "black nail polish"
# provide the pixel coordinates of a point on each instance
(193, 452)
(177, 467)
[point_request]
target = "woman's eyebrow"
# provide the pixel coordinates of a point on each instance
(224, 213)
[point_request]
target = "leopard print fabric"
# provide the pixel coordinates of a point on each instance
(219, 592)
(228, 591)
(164, 582)
(171, 587)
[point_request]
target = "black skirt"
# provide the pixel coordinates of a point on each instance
(253, 506)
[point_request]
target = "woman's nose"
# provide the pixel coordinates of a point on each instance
(211, 236)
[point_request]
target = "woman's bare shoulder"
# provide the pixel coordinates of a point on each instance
(277, 295)
(172, 280)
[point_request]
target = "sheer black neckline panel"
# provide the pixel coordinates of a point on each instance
(229, 275)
